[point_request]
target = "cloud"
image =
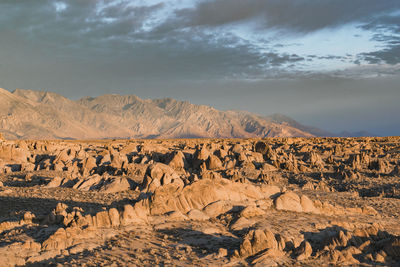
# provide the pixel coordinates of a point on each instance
(368, 71)
(387, 30)
(138, 40)
(300, 16)
(389, 55)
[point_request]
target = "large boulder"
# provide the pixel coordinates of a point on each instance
(261, 147)
(256, 241)
(251, 211)
(14, 154)
(213, 163)
(200, 156)
(307, 205)
(197, 215)
(201, 193)
(88, 183)
(136, 214)
(89, 164)
(115, 184)
(177, 161)
(159, 170)
(288, 201)
(216, 208)
(65, 157)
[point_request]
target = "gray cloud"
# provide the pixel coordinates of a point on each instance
(389, 55)
(115, 37)
(387, 30)
(104, 32)
(296, 16)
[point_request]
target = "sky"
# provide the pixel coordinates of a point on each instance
(333, 64)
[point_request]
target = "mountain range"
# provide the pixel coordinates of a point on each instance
(28, 114)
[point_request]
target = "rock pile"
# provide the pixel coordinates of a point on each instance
(264, 202)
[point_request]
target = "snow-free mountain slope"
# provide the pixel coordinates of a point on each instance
(36, 114)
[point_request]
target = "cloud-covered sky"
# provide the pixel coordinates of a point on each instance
(333, 64)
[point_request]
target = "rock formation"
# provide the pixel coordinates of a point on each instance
(258, 202)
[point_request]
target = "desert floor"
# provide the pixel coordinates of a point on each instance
(200, 202)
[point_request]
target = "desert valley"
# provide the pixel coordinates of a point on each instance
(199, 133)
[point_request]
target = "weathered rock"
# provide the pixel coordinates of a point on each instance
(237, 148)
(64, 157)
(199, 194)
(178, 161)
(304, 251)
(314, 159)
(159, 170)
(256, 241)
(114, 217)
(307, 204)
(175, 215)
(14, 154)
(102, 219)
(197, 215)
(216, 208)
(268, 167)
(251, 211)
(214, 163)
(134, 214)
(88, 166)
(200, 156)
(88, 183)
(288, 201)
(271, 257)
(261, 147)
(115, 184)
(55, 182)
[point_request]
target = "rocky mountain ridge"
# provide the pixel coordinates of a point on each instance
(28, 114)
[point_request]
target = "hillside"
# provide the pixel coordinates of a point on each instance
(29, 114)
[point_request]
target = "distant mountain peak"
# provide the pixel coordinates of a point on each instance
(50, 115)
